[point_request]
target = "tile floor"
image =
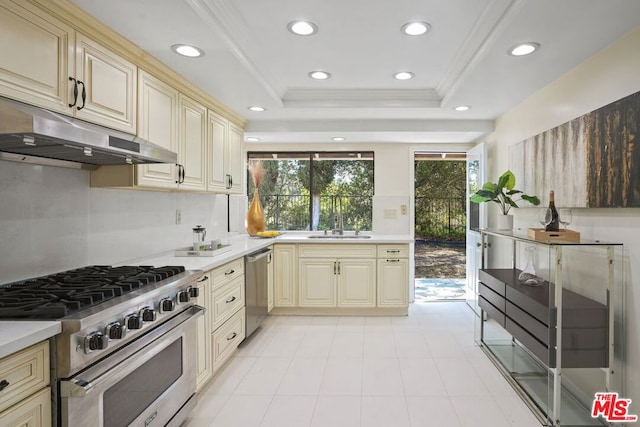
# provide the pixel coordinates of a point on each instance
(419, 370)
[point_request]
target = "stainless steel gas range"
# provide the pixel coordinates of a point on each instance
(126, 354)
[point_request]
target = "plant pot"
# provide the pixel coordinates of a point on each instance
(504, 222)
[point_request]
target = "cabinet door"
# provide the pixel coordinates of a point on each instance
(317, 282)
(192, 152)
(204, 361)
(34, 411)
(217, 141)
(35, 56)
(393, 282)
(285, 272)
(158, 123)
(110, 82)
(357, 283)
(235, 162)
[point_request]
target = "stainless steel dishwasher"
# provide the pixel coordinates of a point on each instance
(256, 267)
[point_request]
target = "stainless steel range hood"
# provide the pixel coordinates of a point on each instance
(33, 135)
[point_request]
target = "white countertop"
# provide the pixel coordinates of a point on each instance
(18, 334)
(243, 244)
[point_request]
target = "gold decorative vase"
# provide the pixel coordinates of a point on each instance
(255, 220)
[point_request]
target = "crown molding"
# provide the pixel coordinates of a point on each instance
(403, 125)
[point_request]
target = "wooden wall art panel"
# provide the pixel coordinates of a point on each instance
(592, 161)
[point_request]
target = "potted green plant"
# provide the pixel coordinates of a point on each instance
(505, 195)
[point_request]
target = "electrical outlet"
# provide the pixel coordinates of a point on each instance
(178, 217)
(403, 209)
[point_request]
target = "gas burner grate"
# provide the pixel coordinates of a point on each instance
(61, 294)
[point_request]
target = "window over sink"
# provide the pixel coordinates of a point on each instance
(305, 190)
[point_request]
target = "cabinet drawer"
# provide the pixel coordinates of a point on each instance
(536, 328)
(335, 251)
(228, 272)
(227, 338)
(227, 300)
(534, 346)
(493, 312)
(26, 371)
(393, 251)
(33, 411)
(492, 297)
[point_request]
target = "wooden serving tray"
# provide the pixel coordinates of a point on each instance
(559, 236)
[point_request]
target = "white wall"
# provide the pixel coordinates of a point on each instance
(610, 75)
(51, 220)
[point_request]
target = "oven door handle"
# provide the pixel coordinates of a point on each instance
(78, 387)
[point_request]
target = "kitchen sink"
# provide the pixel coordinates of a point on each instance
(338, 236)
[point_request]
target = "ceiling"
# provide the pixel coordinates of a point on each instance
(252, 59)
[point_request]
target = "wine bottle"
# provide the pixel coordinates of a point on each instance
(554, 225)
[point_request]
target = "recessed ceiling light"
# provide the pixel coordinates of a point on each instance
(302, 28)
(338, 138)
(523, 49)
(187, 50)
(252, 139)
(403, 75)
(257, 108)
(416, 28)
(462, 108)
(319, 75)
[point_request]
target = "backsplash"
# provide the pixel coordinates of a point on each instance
(51, 220)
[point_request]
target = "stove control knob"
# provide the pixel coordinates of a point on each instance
(95, 341)
(148, 314)
(133, 321)
(193, 292)
(182, 296)
(166, 304)
(115, 331)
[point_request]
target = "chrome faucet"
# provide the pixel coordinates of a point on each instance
(338, 222)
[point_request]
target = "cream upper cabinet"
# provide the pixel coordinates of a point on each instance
(192, 149)
(235, 162)
(393, 276)
(285, 273)
(106, 84)
(36, 56)
(218, 136)
(50, 65)
(157, 122)
(226, 166)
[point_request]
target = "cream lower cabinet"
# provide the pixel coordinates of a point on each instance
(337, 275)
(270, 272)
(204, 361)
(25, 399)
(393, 276)
(227, 314)
(285, 275)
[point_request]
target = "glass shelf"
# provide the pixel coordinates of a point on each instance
(521, 234)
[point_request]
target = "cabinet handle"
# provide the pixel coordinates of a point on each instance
(393, 251)
(230, 300)
(232, 336)
(230, 181)
(75, 91)
(393, 260)
(4, 384)
(84, 95)
(226, 273)
(338, 267)
(335, 268)
(205, 278)
(181, 174)
(178, 178)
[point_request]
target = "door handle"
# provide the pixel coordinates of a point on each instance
(75, 92)
(84, 95)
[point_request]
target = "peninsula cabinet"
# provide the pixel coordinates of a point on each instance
(393, 275)
(285, 275)
(73, 74)
(553, 337)
(25, 399)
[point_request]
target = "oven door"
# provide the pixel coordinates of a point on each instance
(150, 382)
